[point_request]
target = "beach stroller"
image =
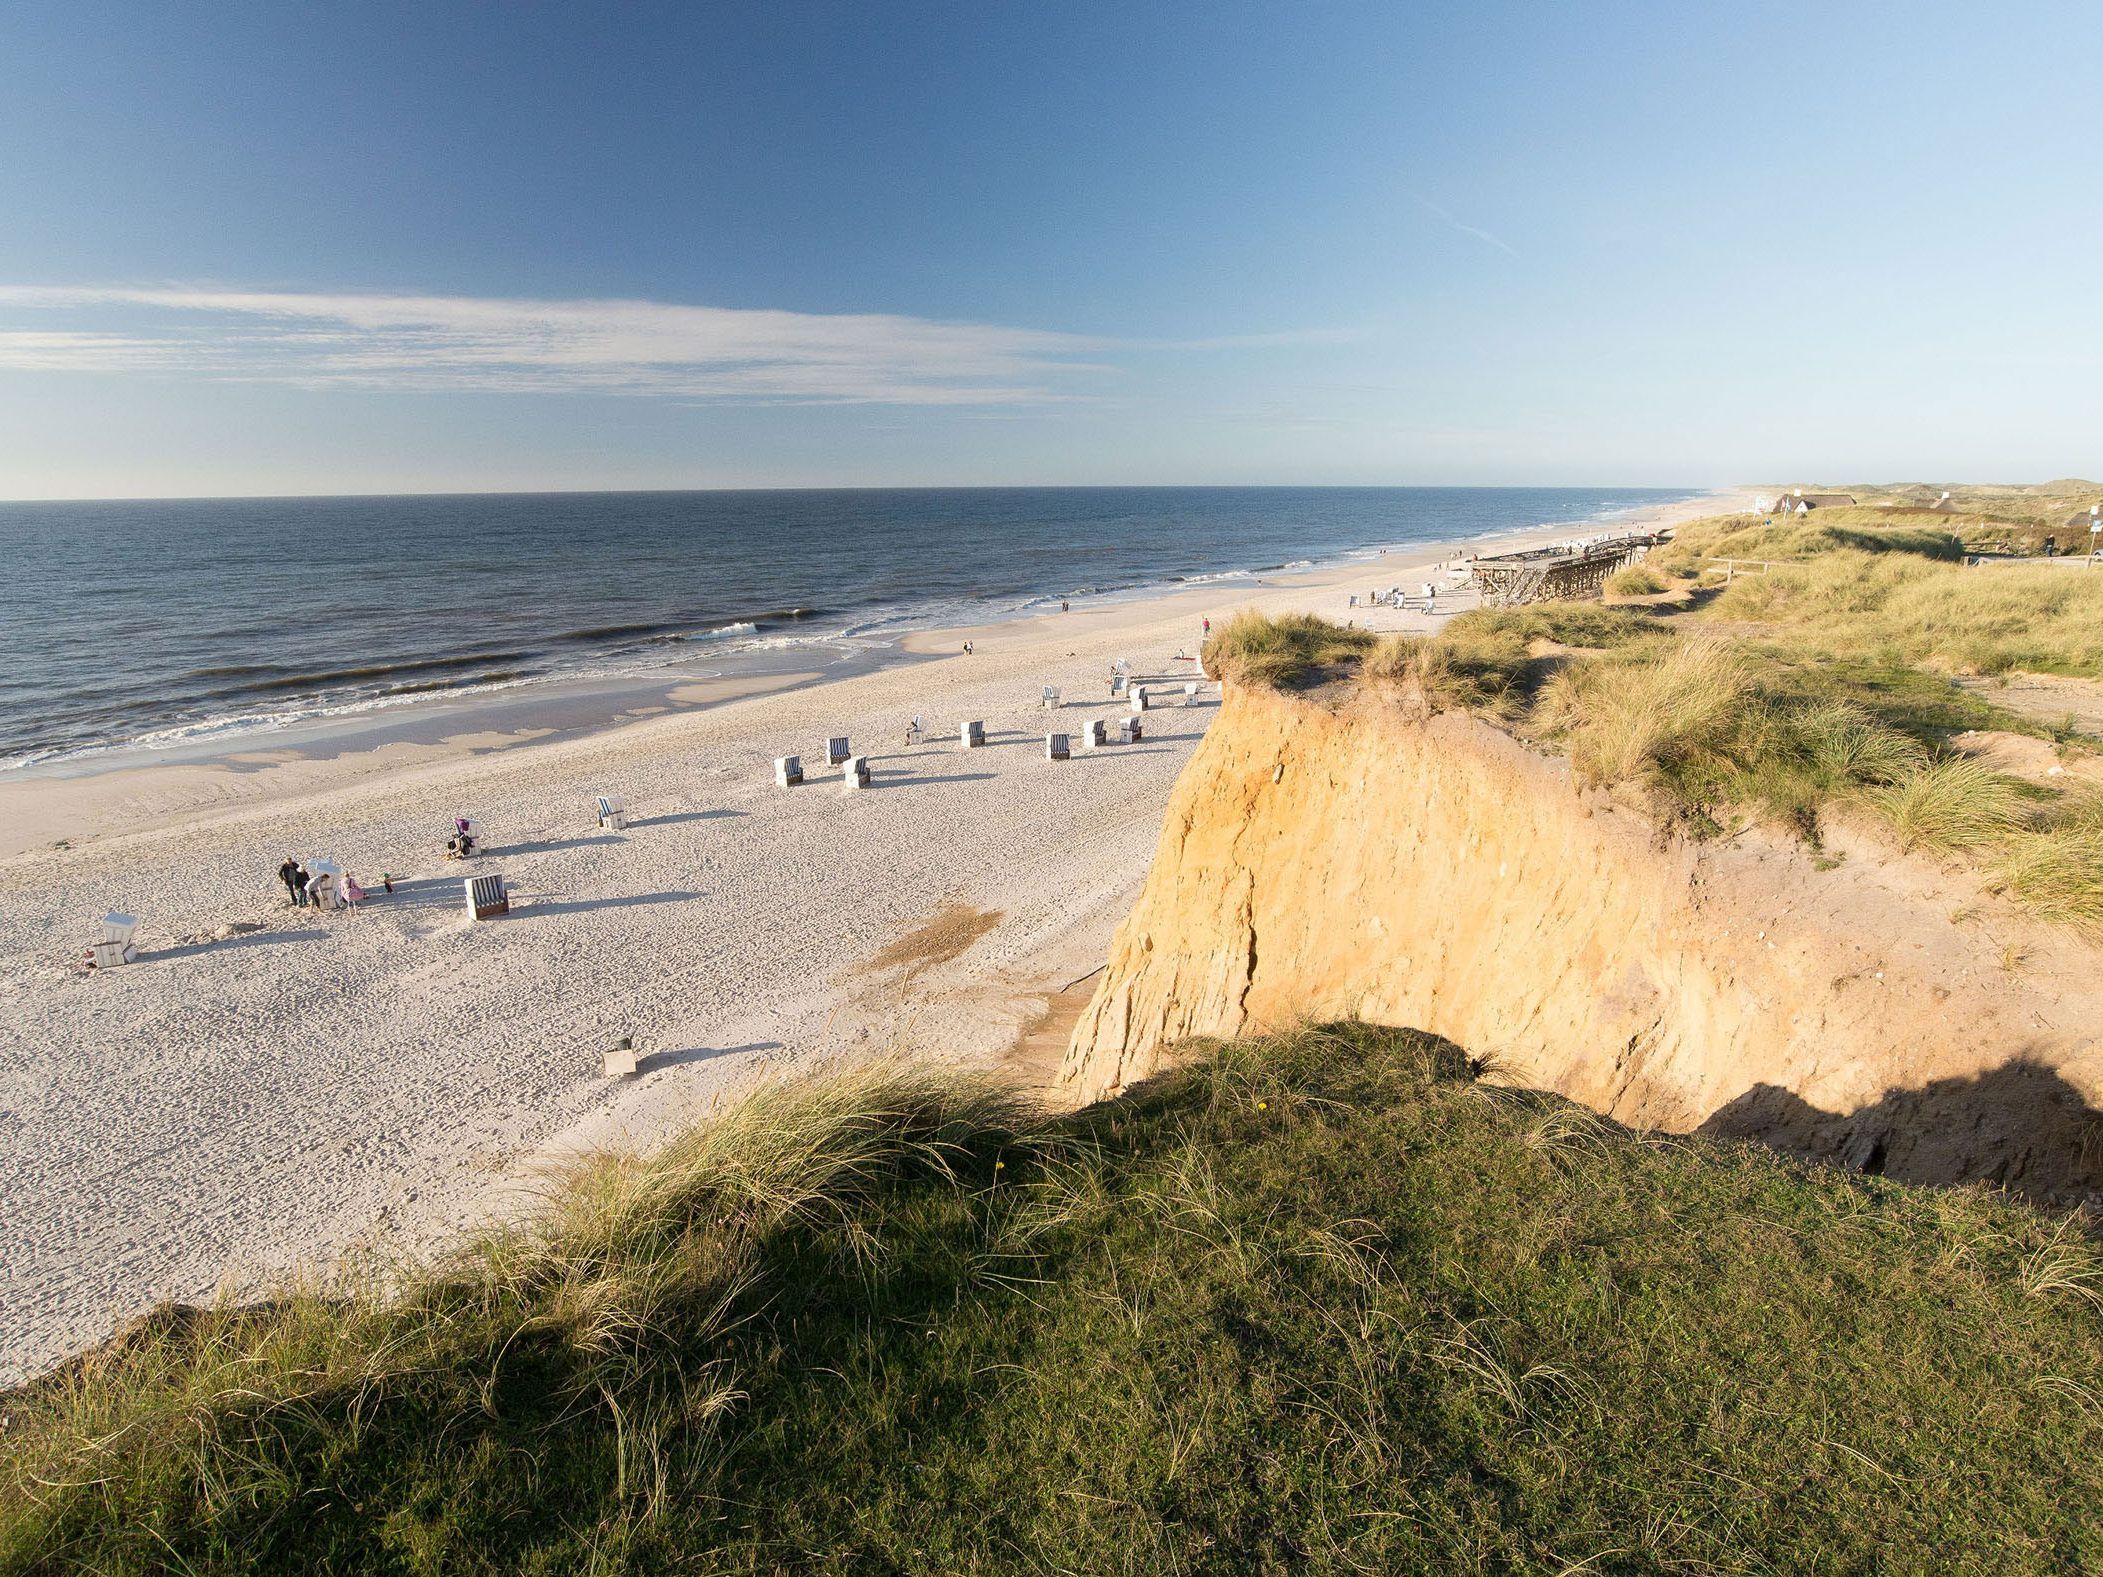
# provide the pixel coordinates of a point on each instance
(487, 897)
(613, 813)
(112, 944)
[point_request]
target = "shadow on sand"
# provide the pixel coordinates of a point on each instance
(684, 815)
(529, 907)
(258, 939)
(650, 1062)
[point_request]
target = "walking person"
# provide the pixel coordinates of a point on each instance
(295, 881)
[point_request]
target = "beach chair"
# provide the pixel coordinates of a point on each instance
(788, 771)
(1123, 665)
(1094, 734)
(613, 813)
(1190, 691)
(1137, 729)
(837, 751)
(619, 1060)
(1051, 697)
(325, 885)
(855, 774)
(973, 735)
(1124, 730)
(1057, 747)
(112, 944)
(1139, 698)
(1118, 682)
(487, 897)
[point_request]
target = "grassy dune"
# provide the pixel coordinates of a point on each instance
(1325, 1303)
(1818, 688)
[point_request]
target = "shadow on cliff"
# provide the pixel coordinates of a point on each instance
(2020, 1126)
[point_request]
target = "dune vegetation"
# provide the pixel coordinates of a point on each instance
(1819, 687)
(1330, 1302)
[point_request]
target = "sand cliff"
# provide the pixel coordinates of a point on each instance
(1348, 857)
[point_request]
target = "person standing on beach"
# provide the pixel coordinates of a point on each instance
(295, 881)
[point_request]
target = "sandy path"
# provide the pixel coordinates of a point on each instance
(224, 1110)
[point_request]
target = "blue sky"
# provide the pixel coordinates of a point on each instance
(364, 248)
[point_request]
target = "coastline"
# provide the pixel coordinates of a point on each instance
(136, 788)
(268, 1088)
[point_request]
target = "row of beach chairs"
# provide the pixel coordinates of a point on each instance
(489, 896)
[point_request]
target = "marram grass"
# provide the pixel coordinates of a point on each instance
(1324, 1303)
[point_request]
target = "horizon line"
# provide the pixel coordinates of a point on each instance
(889, 487)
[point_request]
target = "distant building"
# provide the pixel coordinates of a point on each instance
(1943, 506)
(1802, 503)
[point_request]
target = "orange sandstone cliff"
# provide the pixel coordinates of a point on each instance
(1325, 859)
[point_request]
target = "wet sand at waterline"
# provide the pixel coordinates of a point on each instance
(271, 1087)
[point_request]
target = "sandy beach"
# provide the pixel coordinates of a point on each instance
(269, 1086)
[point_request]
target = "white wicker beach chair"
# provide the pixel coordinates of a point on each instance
(487, 897)
(788, 771)
(613, 813)
(112, 945)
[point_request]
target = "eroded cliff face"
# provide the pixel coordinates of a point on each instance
(1430, 871)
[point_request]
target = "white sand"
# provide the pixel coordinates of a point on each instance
(224, 1111)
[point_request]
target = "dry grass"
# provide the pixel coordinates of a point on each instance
(1955, 803)
(1635, 581)
(1831, 531)
(1629, 720)
(2033, 617)
(1282, 653)
(2059, 874)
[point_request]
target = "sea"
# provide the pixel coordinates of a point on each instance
(149, 626)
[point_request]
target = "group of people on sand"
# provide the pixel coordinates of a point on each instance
(341, 890)
(324, 889)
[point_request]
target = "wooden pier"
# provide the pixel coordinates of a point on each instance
(1554, 574)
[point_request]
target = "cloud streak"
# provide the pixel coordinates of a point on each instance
(1467, 229)
(428, 342)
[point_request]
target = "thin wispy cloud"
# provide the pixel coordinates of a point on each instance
(1481, 235)
(381, 341)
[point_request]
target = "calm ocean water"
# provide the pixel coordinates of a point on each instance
(172, 621)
